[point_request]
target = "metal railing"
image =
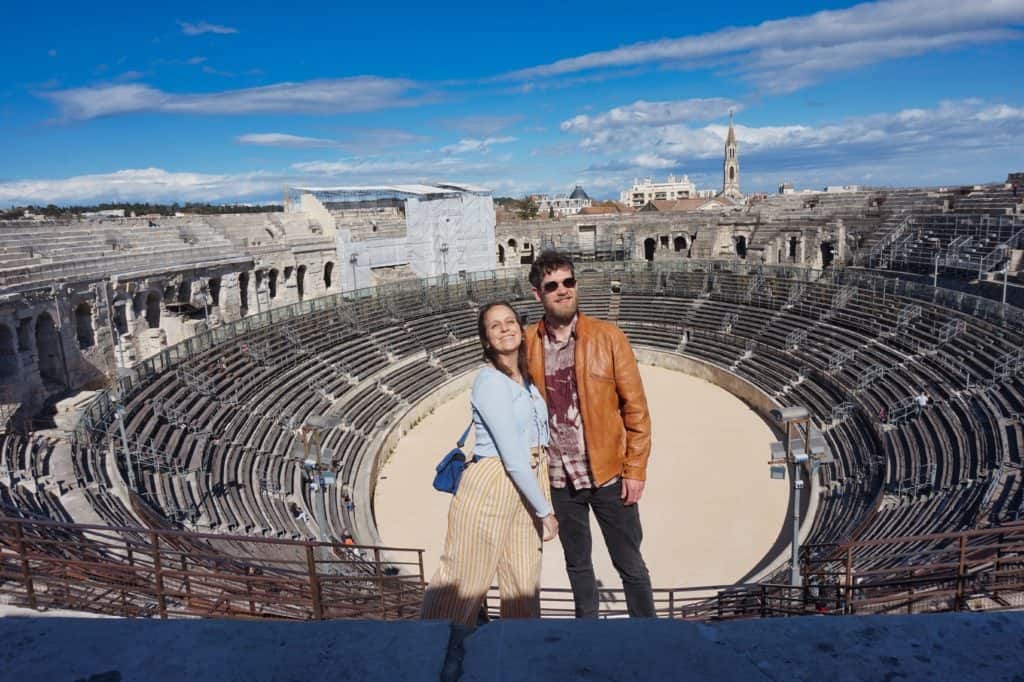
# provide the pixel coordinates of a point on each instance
(144, 572)
(978, 570)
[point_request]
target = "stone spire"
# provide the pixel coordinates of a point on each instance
(731, 165)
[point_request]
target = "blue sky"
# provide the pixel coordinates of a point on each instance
(232, 102)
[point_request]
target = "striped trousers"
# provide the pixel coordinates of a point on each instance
(492, 531)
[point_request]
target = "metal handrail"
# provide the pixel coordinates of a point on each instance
(152, 572)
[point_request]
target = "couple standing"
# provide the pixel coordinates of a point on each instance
(562, 428)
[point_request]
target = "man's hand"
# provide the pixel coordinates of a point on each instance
(549, 527)
(632, 489)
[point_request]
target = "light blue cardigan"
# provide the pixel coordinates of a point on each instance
(509, 421)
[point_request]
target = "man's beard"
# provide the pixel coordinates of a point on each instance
(560, 318)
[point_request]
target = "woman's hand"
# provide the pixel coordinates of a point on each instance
(549, 526)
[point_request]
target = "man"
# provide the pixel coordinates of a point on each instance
(600, 435)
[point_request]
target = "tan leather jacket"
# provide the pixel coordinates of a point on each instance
(616, 423)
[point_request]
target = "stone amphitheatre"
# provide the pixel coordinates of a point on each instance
(198, 410)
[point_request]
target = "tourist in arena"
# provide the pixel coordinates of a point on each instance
(600, 435)
(502, 507)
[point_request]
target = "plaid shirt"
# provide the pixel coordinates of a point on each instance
(567, 451)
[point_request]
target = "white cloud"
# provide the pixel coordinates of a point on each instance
(653, 161)
(284, 140)
(473, 145)
(789, 53)
(372, 169)
(202, 27)
(950, 125)
(324, 96)
(653, 113)
(144, 184)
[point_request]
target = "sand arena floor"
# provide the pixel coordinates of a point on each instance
(710, 511)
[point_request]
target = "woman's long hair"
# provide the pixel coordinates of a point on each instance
(489, 353)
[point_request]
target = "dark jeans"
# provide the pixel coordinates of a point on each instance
(620, 526)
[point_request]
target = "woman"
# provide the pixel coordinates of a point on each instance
(502, 508)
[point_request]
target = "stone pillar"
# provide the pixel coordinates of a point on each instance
(150, 342)
(230, 298)
(841, 248)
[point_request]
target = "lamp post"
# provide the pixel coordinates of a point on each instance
(444, 257)
(353, 260)
(124, 444)
(790, 454)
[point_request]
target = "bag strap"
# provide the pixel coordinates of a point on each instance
(465, 434)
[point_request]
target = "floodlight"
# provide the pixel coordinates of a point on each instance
(788, 414)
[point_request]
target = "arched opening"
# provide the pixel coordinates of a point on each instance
(120, 317)
(185, 291)
(664, 240)
(83, 326)
(511, 243)
(48, 350)
(793, 241)
(732, 172)
(328, 272)
(243, 292)
(8, 353)
(827, 254)
(272, 283)
(679, 243)
(214, 287)
(153, 310)
(741, 246)
(501, 254)
(649, 246)
(300, 281)
(25, 334)
(526, 254)
(288, 270)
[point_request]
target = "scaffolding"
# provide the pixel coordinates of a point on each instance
(795, 339)
(907, 314)
(837, 360)
(950, 330)
(869, 376)
(728, 321)
(1006, 365)
(904, 410)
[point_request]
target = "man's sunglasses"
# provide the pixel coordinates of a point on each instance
(552, 286)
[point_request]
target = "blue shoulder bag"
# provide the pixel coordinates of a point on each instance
(449, 470)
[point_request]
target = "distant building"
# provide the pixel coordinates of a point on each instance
(106, 213)
(563, 205)
(673, 188)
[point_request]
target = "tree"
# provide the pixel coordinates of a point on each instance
(527, 208)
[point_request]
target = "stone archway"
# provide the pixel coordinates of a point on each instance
(243, 292)
(650, 245)
(328, 272)
(8, 354)
(153, 310)
(48, 350)
(300, 281)
(741, 245)
(83, 326)
(679, 243)
(272, 283)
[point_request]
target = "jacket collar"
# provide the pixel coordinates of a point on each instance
(582, 324)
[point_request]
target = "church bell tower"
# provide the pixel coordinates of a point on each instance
(731, 166)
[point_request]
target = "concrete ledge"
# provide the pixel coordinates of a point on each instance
(941, 646)
(112, 650)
